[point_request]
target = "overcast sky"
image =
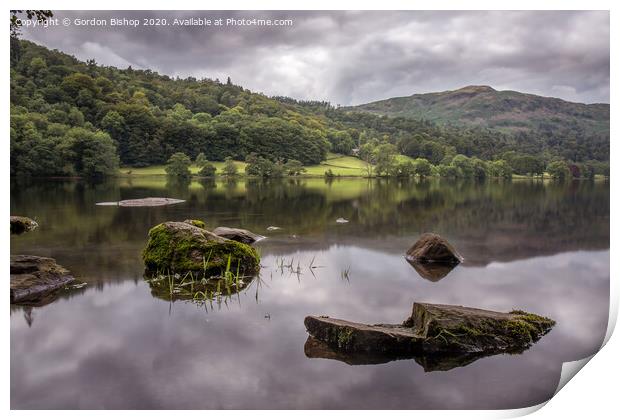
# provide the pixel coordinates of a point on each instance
(350, 58)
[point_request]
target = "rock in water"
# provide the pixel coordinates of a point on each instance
(143, 202)
(20, 224)
(432, 248)
(34, 278)
(341, 220)
(239, 235)
(178, 247)
(471, 330)
(431, 332)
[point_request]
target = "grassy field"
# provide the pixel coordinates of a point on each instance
(339, 164)
(160, 169)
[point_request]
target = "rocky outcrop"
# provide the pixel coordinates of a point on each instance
(34, 279)
(432, 248)
(179, 247)
(143, 202)
(239, 235)
(20, 224)
(432, 332)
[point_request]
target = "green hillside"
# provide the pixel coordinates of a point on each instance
(76, 118)
(508, 111)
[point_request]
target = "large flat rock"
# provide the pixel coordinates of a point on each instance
(356, 337)
(34, 279)
(431, 332)
(143, 202)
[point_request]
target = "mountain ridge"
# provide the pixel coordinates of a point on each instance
(480, 88)
(505, 110)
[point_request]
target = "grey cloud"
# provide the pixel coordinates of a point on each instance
(352, 57)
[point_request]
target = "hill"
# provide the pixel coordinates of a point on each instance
(508, 111)
(61, 106)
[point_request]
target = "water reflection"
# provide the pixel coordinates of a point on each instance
(431, 271)
(314, 348)
(540, 247)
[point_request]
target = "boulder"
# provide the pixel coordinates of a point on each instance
(432, 248)
(434, 329)
(239, 235)
(20, 224)
(178, 247)
(34, 279)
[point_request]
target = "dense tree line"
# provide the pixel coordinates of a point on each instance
(146, 116)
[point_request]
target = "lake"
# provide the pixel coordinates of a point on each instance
(538, 246)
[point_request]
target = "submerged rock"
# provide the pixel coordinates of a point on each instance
(239, 235)
(143, 202)
(34, 279)
(178, 247)
(432, 248)
(20, 224)
(432, 332)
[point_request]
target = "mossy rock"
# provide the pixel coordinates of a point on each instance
(20, 224)
(433, 330)
(463, 329)
(179, 247)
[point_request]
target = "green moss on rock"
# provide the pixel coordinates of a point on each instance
(472, 329)
(196, 222)
(178, 247)
(345, 335)
(527, 327)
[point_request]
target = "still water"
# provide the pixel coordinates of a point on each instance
(540, 247)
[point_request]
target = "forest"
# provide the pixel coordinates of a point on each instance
(75, 118)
